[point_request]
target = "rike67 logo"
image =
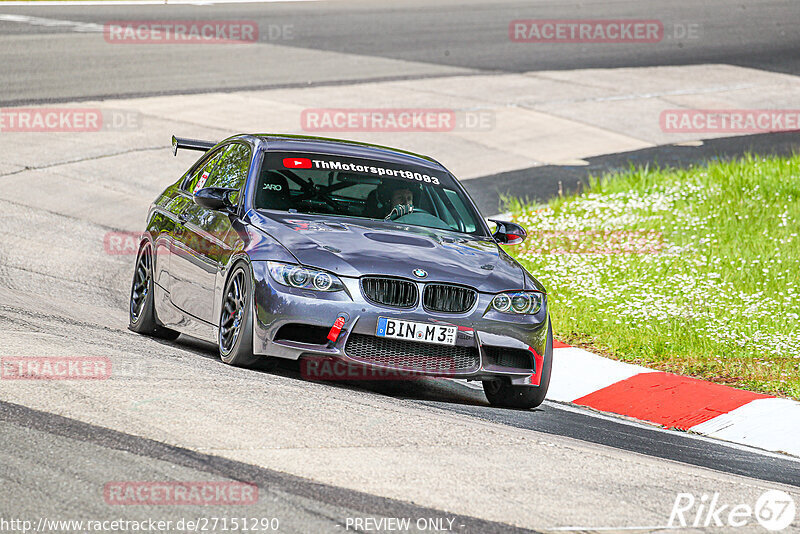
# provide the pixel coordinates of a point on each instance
(774, 510)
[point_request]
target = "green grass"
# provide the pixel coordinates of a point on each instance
(692, 271)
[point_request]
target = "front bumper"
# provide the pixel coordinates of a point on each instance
(482, 333)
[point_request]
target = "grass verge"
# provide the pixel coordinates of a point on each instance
(691, 271)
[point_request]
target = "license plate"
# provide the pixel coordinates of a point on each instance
(426, 333)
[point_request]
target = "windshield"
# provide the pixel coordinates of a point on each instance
(354, 187)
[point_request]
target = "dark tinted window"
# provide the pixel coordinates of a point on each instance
(353, 187)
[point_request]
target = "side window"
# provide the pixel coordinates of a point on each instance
(231, 169)
(463, 213)
(200, 177)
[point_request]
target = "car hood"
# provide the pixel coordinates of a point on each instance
(355, 247)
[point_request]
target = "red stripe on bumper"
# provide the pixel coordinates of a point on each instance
(667, 399)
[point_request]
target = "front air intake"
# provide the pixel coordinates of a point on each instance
(411, 355)
(508, 357)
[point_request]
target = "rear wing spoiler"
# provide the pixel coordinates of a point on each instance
(190, 144)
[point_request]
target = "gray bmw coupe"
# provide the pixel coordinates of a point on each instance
(302, 247)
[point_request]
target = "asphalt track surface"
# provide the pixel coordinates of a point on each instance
(301, 505)
(431, 38)
(182, 415)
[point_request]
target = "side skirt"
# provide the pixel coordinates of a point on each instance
(167, 314)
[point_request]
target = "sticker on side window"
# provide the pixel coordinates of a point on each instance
(201, 182)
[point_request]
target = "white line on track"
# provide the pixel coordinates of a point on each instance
(90, 27)
(83, 27)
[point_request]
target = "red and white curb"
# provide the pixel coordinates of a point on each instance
(672, 401)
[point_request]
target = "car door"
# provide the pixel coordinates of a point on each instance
(184, 265)
(206, 239)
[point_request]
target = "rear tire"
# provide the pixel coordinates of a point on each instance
(502, 394)
(142, 313)
(235, 334)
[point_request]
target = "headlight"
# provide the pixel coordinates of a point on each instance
(519, 302)
(303, 277)
(502, 302)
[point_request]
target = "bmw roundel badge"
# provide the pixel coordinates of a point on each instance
(420, 273)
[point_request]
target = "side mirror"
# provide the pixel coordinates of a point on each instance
(509, 233)
(215, 198)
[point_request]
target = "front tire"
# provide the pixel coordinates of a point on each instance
(235, 335)
(142, 313)
(502, 393)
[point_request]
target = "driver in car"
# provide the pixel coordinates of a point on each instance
(402, 202)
